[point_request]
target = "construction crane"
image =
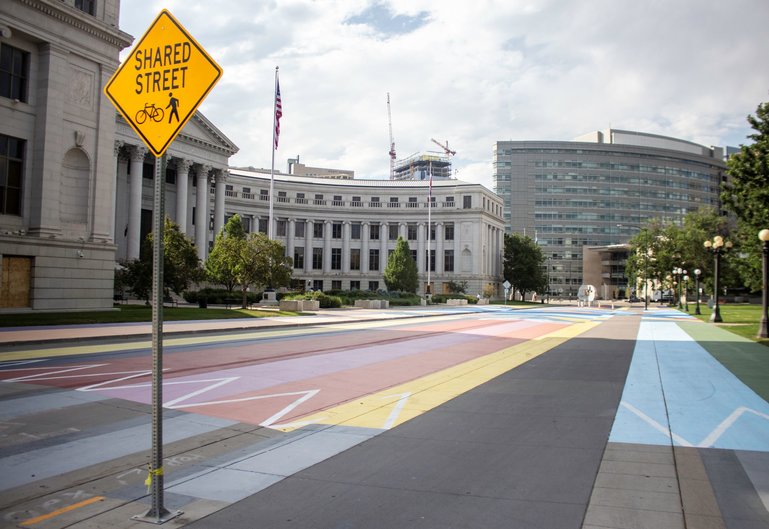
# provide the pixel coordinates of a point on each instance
(445, 148)
(392, 141)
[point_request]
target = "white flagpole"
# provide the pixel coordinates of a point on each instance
(429, 226)
(272, 168)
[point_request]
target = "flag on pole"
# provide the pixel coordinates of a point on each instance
(278, 111)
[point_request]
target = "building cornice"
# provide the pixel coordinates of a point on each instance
(82, 22)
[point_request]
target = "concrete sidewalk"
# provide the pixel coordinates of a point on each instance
(57, 333)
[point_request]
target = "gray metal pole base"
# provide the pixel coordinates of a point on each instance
(151, 517)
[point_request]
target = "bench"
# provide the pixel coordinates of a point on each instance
(168, 300)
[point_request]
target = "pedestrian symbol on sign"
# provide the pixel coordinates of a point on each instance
(173, 103)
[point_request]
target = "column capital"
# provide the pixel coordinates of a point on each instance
(118, 145)
(203, 171)
(220, 175)
(183, 165)
(137, 152)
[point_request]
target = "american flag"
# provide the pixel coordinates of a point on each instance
(278, 112)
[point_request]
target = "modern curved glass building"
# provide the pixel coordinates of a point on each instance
(598, 190)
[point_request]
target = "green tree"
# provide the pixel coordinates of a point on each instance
(244, 260)
(524, 264)
(658, 248)
(400, 274)
(746, 195)
(181, 265)
(219, 267)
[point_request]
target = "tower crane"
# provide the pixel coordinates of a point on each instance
(392, 141)
(445, 148)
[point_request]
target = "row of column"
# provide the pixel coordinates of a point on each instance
(365, 245)
(137, 154)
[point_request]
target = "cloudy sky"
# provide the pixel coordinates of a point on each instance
(470, 73)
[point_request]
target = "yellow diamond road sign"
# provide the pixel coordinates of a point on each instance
(160, 85)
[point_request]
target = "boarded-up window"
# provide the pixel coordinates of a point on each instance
(16, 281)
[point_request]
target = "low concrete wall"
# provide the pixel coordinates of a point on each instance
(299, 305)
(456, 302)
(372, 303)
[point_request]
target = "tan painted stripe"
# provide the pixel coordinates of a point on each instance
(57, 512)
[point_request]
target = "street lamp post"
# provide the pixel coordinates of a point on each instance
(697, 273)
(717, 246)
(677, 276)
(647, 256)
(686, 292)
(763, 328)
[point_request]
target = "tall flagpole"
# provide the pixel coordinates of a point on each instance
(277, 112)
(429, 230)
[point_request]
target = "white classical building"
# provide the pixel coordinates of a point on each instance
(57, 159)
(76, 183)
(339, 233)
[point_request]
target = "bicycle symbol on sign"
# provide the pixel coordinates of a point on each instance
(149, 111)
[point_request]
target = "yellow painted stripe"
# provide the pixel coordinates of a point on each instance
(57, 512)
(387, 408)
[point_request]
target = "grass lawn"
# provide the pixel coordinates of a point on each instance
(740, 319)
(133, 313)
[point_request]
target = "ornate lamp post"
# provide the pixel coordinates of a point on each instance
(697, 273)
(717, 246)
(677, 272)
(648, 254)
(686, 292)
(763, 327)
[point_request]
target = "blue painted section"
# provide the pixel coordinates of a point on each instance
(676, 390)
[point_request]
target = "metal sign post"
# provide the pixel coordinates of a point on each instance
(157, 89)
(157, 513)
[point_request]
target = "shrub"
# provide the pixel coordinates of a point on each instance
(218, 296)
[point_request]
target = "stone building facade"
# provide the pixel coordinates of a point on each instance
(57, 136)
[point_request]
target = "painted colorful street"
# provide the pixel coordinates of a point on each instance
(586, 392)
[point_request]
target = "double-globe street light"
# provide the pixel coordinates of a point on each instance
(763, 327)
(678, 279)
(717, 246)
(697, 273)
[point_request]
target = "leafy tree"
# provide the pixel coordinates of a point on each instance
(524, 264)
(457, 287)
(252, 260)
(660, 247)
(401, 270)
(746, 195)
(219, 265)
(181, 265)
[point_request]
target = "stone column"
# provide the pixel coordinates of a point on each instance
(364, 242)
(116, 164)
(135, 201)
(220, 179)
(290, 226)
(346, 247)
(327, 230)
(439, 248)
(402, 230)
(182, 190)
(201, 213)
(308, 246)
(421, 240)
(383, 236)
